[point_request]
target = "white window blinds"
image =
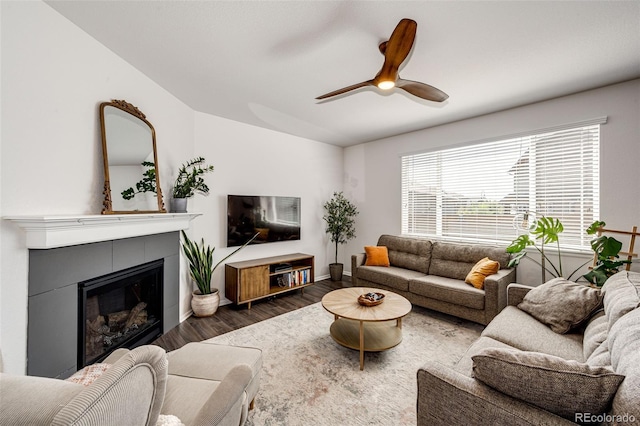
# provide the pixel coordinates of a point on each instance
(476, 192)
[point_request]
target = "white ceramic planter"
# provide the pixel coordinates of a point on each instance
(205, 305)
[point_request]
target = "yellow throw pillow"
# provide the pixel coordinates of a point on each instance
(480, 271)
(377, 256)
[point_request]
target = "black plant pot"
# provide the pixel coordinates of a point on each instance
(335, 269)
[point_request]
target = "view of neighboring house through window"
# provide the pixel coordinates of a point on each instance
(479, 192)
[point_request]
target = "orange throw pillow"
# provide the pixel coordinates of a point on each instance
(480, 271)
(377, 256)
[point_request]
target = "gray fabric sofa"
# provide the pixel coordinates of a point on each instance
(200, 383)
(432, 274)
(610, 338)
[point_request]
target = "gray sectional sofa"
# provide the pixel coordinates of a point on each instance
(432, 274)
(609, 339)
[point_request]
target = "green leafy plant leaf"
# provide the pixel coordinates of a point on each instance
(190, 178)
(520, 244)
(146, 184)
(595, 227)
(548, 229)
(200, 259)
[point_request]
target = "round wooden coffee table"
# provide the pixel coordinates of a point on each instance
(366, 328)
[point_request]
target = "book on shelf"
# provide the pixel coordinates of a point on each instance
(294, 278)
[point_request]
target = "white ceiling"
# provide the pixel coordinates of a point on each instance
(264, 62)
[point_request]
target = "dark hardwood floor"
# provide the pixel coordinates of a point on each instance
(230, 317)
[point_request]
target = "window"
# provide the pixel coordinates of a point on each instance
(481, 191)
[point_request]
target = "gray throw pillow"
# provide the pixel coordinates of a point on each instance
(554, 384)
(561, 304)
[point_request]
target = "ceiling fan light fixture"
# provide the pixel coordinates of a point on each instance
(386, 84)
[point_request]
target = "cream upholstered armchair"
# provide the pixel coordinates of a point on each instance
(131, 391)
(140, 385)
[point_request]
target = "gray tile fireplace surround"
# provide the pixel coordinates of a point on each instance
(54, 275)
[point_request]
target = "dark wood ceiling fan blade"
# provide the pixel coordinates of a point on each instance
(422, 90)
(346, 89)
(396, 50)
(400, 43)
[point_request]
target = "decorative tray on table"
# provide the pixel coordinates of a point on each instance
(371, 299)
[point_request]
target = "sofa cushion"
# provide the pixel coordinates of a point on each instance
(480, 271)
(552, 383)
(448, 290)
(594, 333)
(465, 365)
(392, 277)
(186, 396)
(621, 295)
(377, 256)
(454, 260)
(561, 304)
(518, 329)
(408, 253)
(600, 357)
(624, 345)
(19, 395)
(189, 359)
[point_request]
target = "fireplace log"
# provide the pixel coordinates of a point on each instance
(134, 315)
(93, 336)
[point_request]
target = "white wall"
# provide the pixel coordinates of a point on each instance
(53, 78)
(372, 170)
(254, 161)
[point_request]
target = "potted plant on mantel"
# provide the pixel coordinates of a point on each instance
(340, 216)
(188, 182)
(205, 300)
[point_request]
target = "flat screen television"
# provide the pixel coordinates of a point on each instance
(273, 218)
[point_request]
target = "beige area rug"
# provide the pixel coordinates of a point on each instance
(308, 379)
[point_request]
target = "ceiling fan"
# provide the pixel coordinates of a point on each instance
(395, 51)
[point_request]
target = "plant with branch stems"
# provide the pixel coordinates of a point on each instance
(190, 180)
(200, 258)
(607, 251)
(340, 216)
(146, 184)
(547, 230)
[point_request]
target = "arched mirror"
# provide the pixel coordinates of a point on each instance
(131, 178)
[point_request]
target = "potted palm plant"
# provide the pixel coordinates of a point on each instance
(189, 181)
(205, 300)
(340, 216)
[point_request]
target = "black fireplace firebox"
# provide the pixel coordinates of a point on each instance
(119, 310)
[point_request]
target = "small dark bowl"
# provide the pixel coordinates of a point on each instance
(371, 299)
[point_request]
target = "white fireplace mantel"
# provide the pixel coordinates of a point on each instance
(45, 232)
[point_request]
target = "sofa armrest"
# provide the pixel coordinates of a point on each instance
(115, 356)
(130, 392)
(516, 293)
(449, 398)
(495, 290)
(356, 260)
(224, 406)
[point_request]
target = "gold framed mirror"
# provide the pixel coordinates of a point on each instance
(131, 177)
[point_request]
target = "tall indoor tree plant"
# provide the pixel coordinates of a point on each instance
(189, 181)
(205, 300)
(340, 216)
